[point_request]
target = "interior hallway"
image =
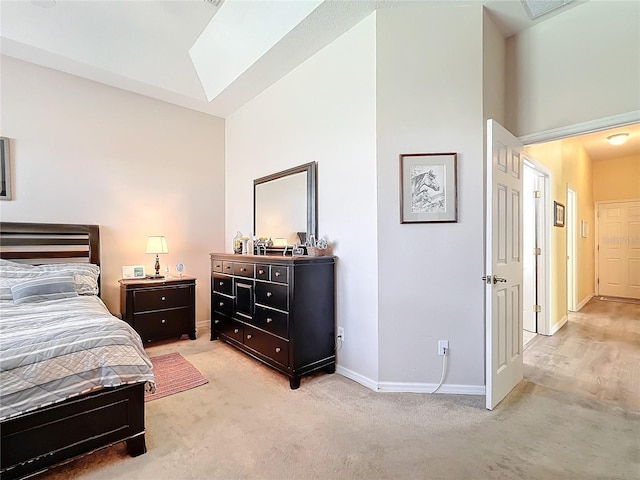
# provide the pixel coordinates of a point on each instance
(596, 354)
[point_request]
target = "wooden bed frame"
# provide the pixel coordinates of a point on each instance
(37, 440)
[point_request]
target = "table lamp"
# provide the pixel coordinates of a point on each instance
(157, 244)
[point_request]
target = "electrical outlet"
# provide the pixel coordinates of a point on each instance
(443, 347)
(341, 333)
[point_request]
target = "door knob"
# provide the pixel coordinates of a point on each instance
(497, 279)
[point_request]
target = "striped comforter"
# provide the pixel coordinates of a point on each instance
(57, 349)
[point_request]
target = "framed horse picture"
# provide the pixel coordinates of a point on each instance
(428, 188)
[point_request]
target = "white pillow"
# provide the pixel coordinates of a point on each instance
(50, 286)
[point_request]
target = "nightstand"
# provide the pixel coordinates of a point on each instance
(159, 309)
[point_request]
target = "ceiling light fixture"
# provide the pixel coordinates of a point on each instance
(618, 138)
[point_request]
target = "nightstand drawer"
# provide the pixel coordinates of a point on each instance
(162, 324)
(272, 295)
(222, 304)
(222, 284)
(273, 347)
(161, 298)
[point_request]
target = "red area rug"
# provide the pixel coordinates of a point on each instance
(173, 374)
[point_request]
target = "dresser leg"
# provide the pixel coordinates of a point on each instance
(294, 383)
(136, 446)
(192, 336)
(330, 368)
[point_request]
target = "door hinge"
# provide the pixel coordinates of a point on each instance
(537, 194)
(537, 308)
(537, 251)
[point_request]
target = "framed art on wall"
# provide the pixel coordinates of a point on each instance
(5, 169)
(558, 214)
(428, 188)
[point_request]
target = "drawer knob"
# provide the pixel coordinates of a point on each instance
(269, 320)
(260, 272)
(277, 349)
(228, 267)
(216, 321)
(163, 298)
(221, 283)
(235, 330)
(221, 304)
(277, 274)
(249, 337)
(243, 269)
(162, 321)
(269, 294)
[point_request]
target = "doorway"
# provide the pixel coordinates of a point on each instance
(536, 248)
(570, 220)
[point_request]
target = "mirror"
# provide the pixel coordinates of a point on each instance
(284, 204)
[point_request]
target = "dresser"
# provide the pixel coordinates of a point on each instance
(280, 310)
(159, 309)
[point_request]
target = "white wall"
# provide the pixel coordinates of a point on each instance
(579, 66)
(429, 100)
(322, 111)
(88, 153)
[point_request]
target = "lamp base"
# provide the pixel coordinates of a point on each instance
(154, 277)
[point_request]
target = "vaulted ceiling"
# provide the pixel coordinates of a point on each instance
(207, 55)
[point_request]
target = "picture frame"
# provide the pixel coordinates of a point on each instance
(428, 188)
(133, 271)
(584, 229)
(558, 214)
(6, 191)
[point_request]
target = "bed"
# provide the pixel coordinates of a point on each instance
(51, 322)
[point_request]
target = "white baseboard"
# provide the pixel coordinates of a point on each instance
(557, 326)
(406, 387)
(584, 302)
(430, 387)
(356, 377)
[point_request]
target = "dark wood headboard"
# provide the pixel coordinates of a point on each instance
(40, 243)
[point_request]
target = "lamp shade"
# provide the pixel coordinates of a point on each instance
(157, 244)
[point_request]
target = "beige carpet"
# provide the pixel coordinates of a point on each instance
(247, 424)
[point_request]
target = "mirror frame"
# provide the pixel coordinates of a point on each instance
(311, 169)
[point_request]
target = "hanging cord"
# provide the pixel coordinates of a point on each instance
(444, 369)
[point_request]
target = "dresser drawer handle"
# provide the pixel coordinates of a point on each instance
(243, 269)
(162, 321)
(228, 267)
(277, 349)
(221, 283)
(235, 330)
(221, 304)
(249, 337)
(277, 274)
(260, 272)
(163, 298)
(269, 294)
(216, 321)
(269, 320)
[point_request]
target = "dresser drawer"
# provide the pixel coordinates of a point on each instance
(279, 274)
(222, 304)
(161, 298)
(271, 346)
(216, 266)
(227, 267)
(262, 272)
(228, 327)
(272, 295)
(222, 284)
(272, 321)
(243, 269)
(162, 324)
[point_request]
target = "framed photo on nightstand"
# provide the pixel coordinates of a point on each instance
(133, 271)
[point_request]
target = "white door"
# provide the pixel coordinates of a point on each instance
(619, 249)
(570, 224)
(503, 275)
(529, 245)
